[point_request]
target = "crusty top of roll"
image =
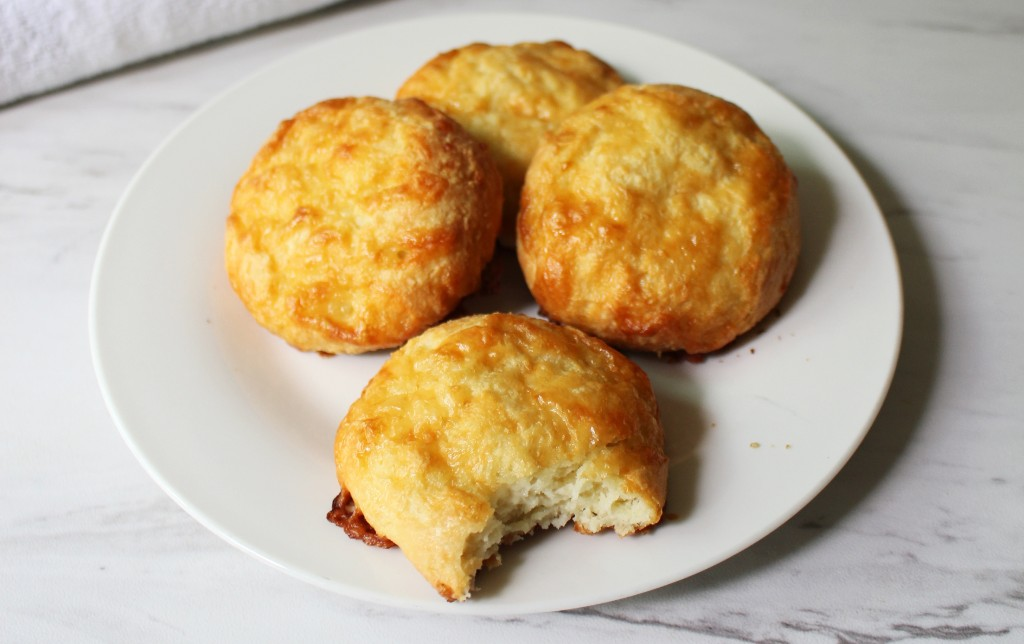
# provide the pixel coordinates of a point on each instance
(659, 217)
(360, 222)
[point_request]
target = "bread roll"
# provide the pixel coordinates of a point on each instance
(486, 427)
(360, 223)
(659, 218)
(509, 96)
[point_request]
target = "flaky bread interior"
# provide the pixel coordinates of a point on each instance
(550, 499)
(585, 494)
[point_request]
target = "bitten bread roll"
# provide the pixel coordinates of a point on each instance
(486, 427)
(659, 218)
(509, 96)
(360, 223)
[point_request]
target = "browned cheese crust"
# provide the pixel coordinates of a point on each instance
(510, 96)
(485, 404)
(360, 223)
(659, 218)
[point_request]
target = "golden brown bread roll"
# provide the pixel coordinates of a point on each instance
(659, 218)
(361, 222)
(509, 96)
(486, 427)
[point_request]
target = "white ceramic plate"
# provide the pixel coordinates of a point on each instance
(237, 427)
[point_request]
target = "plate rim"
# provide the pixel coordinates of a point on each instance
(490, 608)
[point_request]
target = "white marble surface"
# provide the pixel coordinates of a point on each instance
(919, 538)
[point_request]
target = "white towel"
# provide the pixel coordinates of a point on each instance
(46, 44)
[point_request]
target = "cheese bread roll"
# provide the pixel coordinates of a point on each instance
(659, 218)
(360, 223)
(486, 427)
(509, 96)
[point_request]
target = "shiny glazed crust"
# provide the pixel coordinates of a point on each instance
(659, 218)
(510, 96)
(461, 421)
(361, 222)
